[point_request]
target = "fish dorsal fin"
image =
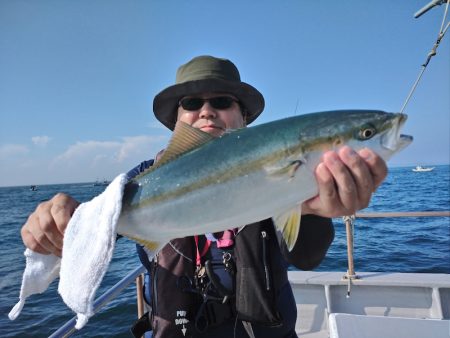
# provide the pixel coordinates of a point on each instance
(184, 139)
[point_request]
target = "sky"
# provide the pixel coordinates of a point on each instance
(77, 78)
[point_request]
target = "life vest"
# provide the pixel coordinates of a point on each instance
(260, 273)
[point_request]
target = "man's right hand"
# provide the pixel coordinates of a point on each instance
(44, 230)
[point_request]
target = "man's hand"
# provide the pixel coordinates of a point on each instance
(44, 230)
(346, 182)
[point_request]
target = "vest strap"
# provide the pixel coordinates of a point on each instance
(141, 326)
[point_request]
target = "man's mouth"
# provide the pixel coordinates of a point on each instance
(211, 126)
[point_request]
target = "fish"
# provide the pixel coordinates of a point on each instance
(205, 184)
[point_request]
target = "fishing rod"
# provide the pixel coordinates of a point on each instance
(442, 30)
(349, 220)
(427, 7)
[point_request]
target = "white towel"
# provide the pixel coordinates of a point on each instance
(40, 271)
(88, 246)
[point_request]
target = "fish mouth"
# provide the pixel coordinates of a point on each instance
(404, 141)
(393, 140)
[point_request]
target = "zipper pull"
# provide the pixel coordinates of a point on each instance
(264, 257)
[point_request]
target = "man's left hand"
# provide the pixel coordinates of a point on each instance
(346, 180)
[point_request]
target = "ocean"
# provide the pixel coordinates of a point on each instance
(390, 245)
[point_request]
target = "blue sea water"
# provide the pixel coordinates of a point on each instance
(391, 245)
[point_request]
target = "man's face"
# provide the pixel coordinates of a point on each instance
(210, 119)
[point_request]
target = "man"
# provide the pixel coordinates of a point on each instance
(232, 283)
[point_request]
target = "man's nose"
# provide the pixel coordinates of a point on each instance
(206, 111)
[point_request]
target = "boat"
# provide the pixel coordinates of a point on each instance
(419, 168)
(103, 183)
(388, 305)
(372, 304)
(347, 304)
(33, 187)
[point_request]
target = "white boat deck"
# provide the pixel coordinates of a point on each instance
(357, 326)
(378, 302)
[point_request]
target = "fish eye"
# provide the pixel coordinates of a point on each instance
(366, 132)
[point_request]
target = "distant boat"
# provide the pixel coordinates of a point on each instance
(101, 183)
(33, 187)
(422, 169)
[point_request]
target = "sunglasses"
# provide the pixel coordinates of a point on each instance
(218, 102)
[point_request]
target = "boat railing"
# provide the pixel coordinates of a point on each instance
(403, 214)
(349, 224)
(69, 327)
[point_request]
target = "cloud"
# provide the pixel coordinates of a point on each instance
(8, 150)
(136, 145)
(89, 160)
(41, 141)
(87, 151)
(83, 161)
(111, 151)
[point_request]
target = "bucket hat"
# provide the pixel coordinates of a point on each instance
(206, 74)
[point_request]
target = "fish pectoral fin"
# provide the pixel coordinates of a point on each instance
(288, 223)
(287, 170)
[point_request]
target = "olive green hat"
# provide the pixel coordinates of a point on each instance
(207, 74)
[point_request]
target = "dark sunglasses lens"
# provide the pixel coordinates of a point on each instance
(195, 103)
(221, 102)
(192, 103)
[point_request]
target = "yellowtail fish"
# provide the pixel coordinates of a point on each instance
(204, 184)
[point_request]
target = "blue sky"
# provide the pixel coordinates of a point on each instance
(77, 78)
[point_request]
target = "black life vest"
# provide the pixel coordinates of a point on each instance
(260, 273)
